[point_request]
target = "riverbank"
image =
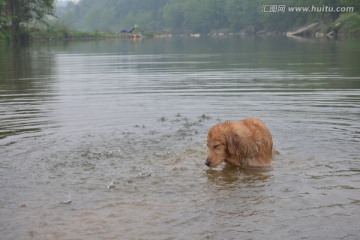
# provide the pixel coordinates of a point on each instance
(62, 34)
(53, 31)
(346, 26)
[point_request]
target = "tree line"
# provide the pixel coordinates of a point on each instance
(175, 16)
(200, 16)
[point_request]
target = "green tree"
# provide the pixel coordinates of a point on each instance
(234, 9)
(2, 13)
(351, 3)
(21, 12)
(204, 15)
(173, 15)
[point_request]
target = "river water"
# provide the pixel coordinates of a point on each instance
(106, 140)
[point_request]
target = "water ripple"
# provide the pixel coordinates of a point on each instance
(107, 144)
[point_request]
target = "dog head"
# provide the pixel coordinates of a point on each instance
(222, 143)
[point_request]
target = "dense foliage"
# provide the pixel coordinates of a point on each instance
(15, 14)
(198, 15)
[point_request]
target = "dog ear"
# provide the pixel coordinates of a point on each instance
(233, 144)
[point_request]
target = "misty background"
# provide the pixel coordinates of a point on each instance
(202, 16)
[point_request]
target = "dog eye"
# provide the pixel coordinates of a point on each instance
(216, 146)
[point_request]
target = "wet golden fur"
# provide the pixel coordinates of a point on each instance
(245, 143)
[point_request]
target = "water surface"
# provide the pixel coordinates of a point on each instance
(106, 140)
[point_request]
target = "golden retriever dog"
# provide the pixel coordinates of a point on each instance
(244, 143)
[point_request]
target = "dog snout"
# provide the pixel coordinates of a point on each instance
(207, 162)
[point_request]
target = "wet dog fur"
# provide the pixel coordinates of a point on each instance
(244, 143)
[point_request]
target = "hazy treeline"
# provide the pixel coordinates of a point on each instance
(201, 16)
(19, 18)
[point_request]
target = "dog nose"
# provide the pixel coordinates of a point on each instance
(207, 162)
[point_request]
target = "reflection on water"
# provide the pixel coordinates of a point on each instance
(25, 84)
(106, 140)
(237, 177)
